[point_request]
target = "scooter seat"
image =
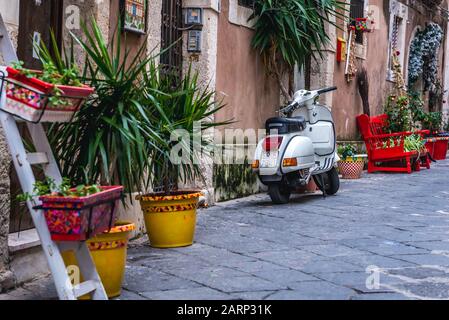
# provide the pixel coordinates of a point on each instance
(285, 125)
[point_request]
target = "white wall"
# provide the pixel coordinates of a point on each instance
(10, 11)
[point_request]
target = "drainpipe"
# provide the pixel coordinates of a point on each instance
(446, 74)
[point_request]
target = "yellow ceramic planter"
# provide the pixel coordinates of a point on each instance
(109, 252)
(170, 220)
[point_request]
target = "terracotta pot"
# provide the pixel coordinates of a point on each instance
(350, 169)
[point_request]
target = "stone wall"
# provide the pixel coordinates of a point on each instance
(206, 64)
(78, 11)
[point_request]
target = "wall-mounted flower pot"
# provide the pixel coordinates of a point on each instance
(351, 167)
(109, 253)
(80, 218)
(29, 98)
(170, 220)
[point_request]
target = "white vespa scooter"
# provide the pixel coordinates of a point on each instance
(300, 144)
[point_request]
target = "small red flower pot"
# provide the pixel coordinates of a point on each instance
(440, 151)
(81, 218)
(437, 147)
(29, 98)
(351, 169)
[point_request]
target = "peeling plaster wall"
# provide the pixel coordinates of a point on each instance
(206, 64)
(86, 11)
(251, 96)
(154, 26)
(346, 102)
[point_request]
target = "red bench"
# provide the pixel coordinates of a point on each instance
(381, 150)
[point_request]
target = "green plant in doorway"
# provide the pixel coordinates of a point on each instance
(288, 32)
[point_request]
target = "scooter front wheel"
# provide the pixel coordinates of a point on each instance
(331, 181)
(279, 193)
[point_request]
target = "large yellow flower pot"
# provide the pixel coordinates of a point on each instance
(109, 252)
(170, 220)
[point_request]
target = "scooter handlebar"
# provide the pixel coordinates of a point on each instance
(329, 89)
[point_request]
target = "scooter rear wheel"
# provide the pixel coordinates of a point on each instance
(331, 181)
(279, 193)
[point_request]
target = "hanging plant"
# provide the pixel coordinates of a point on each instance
(415, 64)
(288, 32)
(424, 55)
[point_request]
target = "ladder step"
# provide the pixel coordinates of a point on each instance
(37, 158)
(85, 288)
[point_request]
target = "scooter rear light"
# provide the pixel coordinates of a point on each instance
(272, 143)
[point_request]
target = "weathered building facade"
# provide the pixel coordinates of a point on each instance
(222, 55)
(396, 24)
(219, 47)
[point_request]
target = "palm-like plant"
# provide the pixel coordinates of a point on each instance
(107, 141)
(123, 133)
(287, 32)
(183, 107)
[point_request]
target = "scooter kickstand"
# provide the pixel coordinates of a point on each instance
(324, 186)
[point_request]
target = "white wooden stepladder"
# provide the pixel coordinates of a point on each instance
(44, 157)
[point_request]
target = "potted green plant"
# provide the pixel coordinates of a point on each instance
(436, 141)
(111, 138)
(288, 33)
(75, 214)
(49, 95)
(109, 253)
(170, 214)
(350, 165)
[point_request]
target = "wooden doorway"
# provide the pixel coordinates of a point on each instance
(37, 17)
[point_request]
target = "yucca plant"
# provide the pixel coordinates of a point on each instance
(109, 140)
(185, 105)
(122, 135)
(288, 32)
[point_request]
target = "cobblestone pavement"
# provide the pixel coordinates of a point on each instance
(388, 227)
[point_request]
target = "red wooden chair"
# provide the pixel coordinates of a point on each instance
(388, 147)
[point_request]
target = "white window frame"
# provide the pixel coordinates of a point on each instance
(397, 10)
(239, 15)
(360, 49)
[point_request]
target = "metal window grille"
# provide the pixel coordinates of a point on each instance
(395, 33)
(357, 11)
(246, 3)
(394, 39)
(171, 40)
